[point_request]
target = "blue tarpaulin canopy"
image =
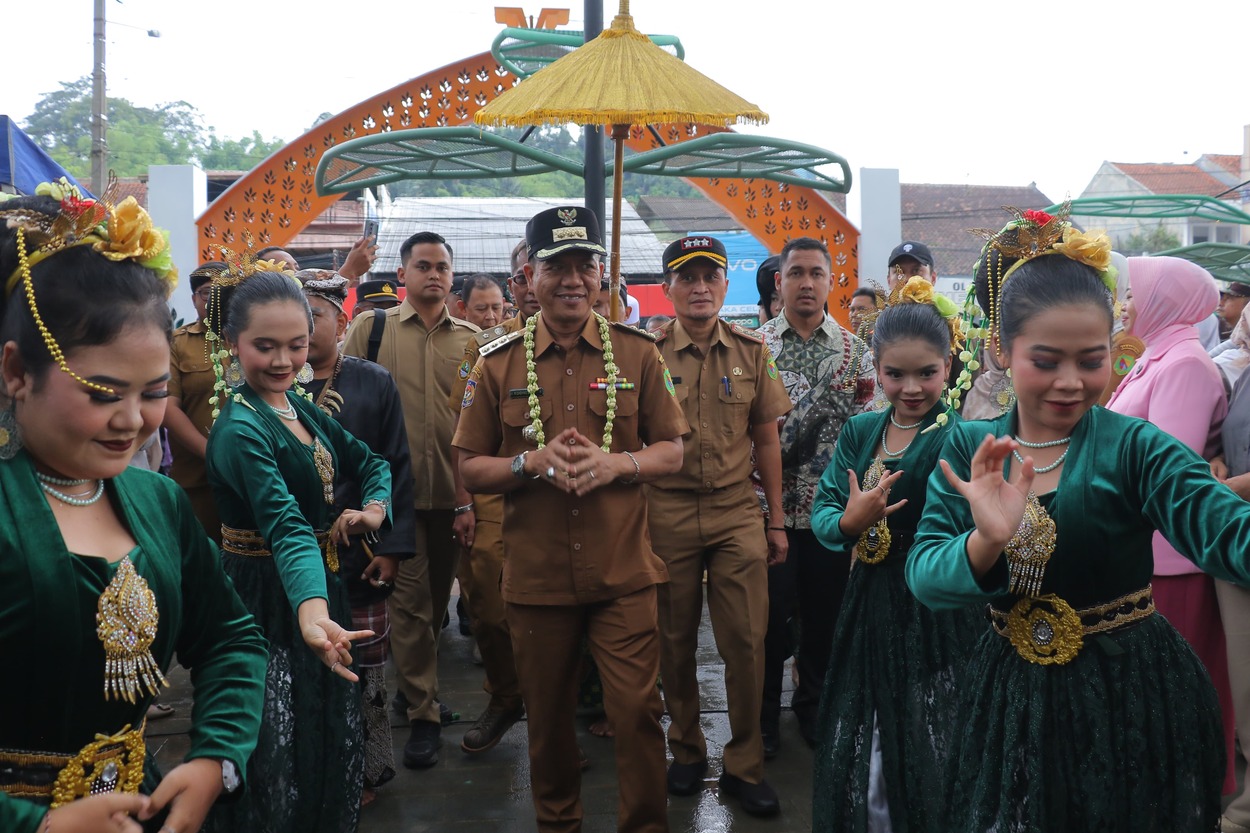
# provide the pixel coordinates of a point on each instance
(23, 164)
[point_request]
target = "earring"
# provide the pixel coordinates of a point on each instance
(233, 373)
(305, 374)
(10, 432)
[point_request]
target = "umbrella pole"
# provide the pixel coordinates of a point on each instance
(619, 133)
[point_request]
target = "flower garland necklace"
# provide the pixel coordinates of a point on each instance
(531, 382)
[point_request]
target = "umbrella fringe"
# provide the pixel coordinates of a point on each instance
(564, 116)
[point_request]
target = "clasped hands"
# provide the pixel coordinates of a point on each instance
(572, 463)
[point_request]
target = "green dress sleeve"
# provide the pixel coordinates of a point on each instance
(938, 571)
(19, 815)
(244, 455)
(224, 649)
(833, 490)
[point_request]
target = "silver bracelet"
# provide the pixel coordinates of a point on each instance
(385, 504)
(463, 510)
(637, 469)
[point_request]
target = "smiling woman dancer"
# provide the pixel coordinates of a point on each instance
(1084, 711)
(271, 462)
(104, 571)
(893, 687)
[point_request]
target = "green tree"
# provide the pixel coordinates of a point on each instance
(168, 134)
(1147, 241)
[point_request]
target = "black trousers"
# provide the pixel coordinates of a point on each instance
(809, 585)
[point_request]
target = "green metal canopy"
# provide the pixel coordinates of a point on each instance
(1158, 207)
(742, 156)
(474, 153)
(1226, 261)
(525, 51)
(431, 153)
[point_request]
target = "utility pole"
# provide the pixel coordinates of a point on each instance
(99, 109)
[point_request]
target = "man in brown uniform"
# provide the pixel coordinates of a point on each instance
(421, 346)
(578, 561)
(190, 415)
(707, 517)
(480, 576)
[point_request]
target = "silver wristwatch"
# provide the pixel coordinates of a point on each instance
(518, 467)
(230, 781)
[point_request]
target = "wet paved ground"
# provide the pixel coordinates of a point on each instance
(491, 792)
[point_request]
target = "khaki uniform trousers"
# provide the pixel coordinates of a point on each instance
(417, 604)
(1235, 613)
(480, 575)
(721, 533)
(624, 642)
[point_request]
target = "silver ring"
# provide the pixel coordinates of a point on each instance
(592, 476)
(336, 665)
(382, 583)
(551, 472)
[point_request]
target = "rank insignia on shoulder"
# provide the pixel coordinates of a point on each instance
(745, 333)
(502, 341)
(630, 328)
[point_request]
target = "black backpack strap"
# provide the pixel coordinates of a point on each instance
(375, 334)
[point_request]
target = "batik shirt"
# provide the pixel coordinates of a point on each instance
(830, 378)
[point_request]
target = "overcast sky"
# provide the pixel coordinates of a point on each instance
(982, 92)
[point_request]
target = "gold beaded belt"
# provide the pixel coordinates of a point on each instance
(107, 764)
(250, 543)
(1048, 631)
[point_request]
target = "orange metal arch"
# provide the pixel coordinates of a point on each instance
(277, 199)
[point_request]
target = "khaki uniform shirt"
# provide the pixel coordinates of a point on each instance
(560, 549)
(485, 507)
(423, 361)
(191, 380)
(724, 393)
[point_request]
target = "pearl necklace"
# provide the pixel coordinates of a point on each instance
(1051, 444)
(531, 382)
(287, 413)
(49, 483)
(894, 455)
(902, 427)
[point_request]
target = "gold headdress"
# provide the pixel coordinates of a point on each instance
(240, 266)
(117, 231)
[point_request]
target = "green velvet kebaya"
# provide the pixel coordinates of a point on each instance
(896, 666)
(55, 698)
(308, 767)
(1126, 735)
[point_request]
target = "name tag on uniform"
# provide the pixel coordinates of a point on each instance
(522, 393)
(676, 380)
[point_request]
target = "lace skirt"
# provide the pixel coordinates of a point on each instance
(307, 771)
(896, 659)
(1125, 737)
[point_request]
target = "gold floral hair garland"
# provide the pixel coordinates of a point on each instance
(118, 231)
(1028, 235)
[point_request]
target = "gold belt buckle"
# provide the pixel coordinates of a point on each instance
(1045, 630)
(106, 765)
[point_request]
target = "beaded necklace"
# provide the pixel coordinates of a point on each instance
(531, 381)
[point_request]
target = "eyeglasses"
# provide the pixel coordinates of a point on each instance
(204, 293)
(519, 279)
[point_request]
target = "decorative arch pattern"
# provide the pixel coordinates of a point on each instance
(277, 199)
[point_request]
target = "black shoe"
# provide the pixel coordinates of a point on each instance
(770, 731)
(757, 799)
(686, 779)
(491, 725)
(399, 705)
(421, 750)
(807, 729)
(445, 715)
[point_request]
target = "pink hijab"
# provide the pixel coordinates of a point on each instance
(1171, 295)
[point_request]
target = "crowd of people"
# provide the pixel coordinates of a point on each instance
(860, 500)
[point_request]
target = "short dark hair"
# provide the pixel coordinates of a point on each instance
(908, 321)
(802, 244)
(870, 294)
(270, 250)
(84, 299)
(1047, 282)
(423, 237)
(481, 280)
(520, 254)
(261, 288)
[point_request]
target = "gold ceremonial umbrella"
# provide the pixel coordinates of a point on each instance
(620, 78)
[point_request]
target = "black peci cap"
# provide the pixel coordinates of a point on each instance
(686, 249)
(556, 230)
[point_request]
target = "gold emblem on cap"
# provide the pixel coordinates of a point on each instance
(568, 216)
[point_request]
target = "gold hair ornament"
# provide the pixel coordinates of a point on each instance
(118, 232)
(240, 266)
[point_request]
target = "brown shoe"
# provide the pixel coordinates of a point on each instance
(491, 725)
